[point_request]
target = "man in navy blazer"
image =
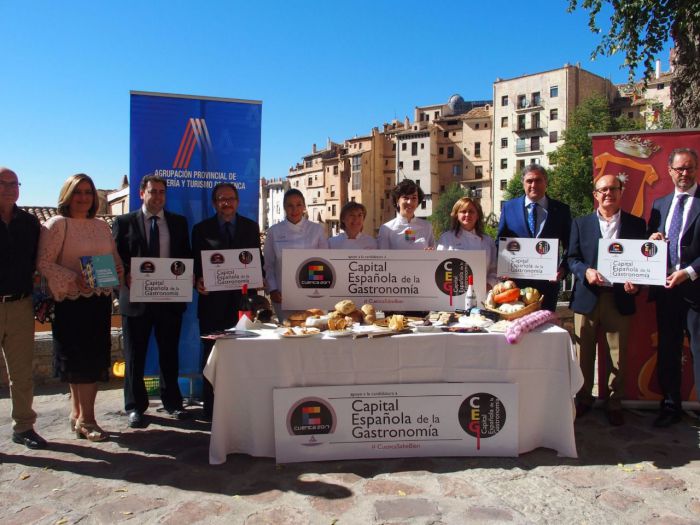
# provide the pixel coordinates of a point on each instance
(218, 310)
(552, 221)
(597, 305)
(132, 233)
(676, 218)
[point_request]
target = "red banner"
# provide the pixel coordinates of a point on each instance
(641, 159)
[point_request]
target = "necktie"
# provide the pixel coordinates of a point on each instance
(229, 234)
(532, 218)
(154, 239)
(674, 230)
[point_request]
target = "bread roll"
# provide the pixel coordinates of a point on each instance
(345, 307)
(337, 323)
(296, 319)
(368, 309)
(315, 311)
(356, 316)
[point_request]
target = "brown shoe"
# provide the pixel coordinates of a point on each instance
(615, 418)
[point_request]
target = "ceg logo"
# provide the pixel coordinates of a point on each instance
(482, 415)
(452, 276)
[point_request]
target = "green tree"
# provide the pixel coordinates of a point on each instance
(440, 217)
(639, 29)
(514, 188)
(571, 175)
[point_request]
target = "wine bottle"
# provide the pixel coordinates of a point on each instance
(470, 296)
(245, 307)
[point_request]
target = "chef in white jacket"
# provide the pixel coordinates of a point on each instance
(352, 220)
(406, 231)
(467, 233)
(296, 231)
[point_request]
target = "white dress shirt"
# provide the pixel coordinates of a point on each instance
(361, 242)
(402, 234)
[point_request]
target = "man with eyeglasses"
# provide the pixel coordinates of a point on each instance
(19, 236)
(151, 231)
(600, 307)
(227, 230)
(676, 219)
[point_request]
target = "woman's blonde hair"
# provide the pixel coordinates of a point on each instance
(67, 191)
(462, 203)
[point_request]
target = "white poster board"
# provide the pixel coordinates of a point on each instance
(633, 260)
(161, 280)
(402, 420)
(526, 258)
(392, 280)
(231, 269)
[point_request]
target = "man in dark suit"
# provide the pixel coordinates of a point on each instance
(536, 215)
(676, 218)
(151, 232)
(218, 310)
(597, 305)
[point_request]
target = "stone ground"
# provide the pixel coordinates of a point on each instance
(631, 474)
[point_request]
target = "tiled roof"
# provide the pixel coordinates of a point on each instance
(481, 112)
(44, 213)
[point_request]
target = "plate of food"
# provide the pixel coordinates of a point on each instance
(338, 333)
(294, 332)
(425, 326)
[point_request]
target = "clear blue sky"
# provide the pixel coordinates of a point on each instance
(322, 69)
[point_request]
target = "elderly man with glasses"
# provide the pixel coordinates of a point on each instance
(600, 307)
(676, 219)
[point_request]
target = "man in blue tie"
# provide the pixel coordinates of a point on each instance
(676, 218)
(537, 215)
(151, 231)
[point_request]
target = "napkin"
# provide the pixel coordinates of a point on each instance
(244, 323)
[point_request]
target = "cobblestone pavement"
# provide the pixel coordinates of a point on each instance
(630, 474)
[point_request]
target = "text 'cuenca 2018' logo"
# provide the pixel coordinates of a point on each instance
(311, 416)
(482, 415)
(315, 273)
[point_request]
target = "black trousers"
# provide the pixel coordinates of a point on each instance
(675, 318)
(166, 325)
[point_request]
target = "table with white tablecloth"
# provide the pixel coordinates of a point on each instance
(244, 373)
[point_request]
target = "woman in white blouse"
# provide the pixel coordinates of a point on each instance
(296, 231)
(406, 231)
(467, 233)
(352, 220)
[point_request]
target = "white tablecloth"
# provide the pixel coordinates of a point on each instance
(245, 371)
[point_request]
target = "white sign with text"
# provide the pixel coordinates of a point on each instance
(231, 269)
(633, 260)
(526, 258)
(388, 421)
(161, 280)
(392, 280)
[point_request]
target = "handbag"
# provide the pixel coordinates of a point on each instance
(44, 303)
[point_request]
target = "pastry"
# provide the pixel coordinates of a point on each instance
(345, 307)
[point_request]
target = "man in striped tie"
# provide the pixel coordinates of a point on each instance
(676, 218)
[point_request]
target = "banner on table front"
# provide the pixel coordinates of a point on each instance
(392, 280)
(193, 143)
(388, 421)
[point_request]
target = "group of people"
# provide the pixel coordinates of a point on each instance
(81, 329)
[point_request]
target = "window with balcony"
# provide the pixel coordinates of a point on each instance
(535, 121)
(450, 152)
(535, 98)
(535, 144)
(356, 180)
(477, 149)
(334, 209)
(504, 163)
(553, 136)
(416, 165)
(504, 142)
(504, 100)
(522, 101)
(553, 91)
(504, 122)
(521, 122)
(309, 182)
(478, 172)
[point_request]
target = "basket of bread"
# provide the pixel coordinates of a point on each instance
(342, 317)
(511, 302)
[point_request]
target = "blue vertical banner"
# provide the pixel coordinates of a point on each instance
(194, 143)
